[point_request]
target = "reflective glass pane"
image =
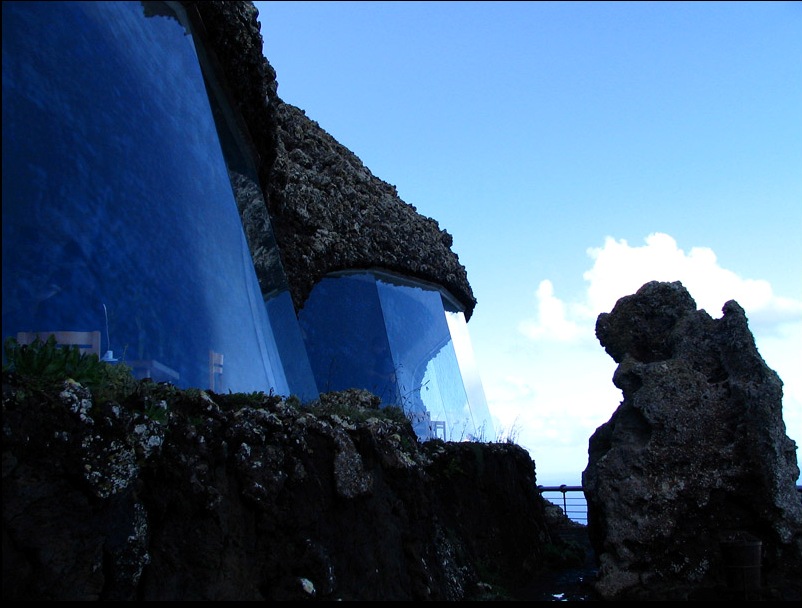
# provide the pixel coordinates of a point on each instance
(290, 349)
(418, 333)
(481, 422)
(118, 212)
(343, 328)
(394, 337)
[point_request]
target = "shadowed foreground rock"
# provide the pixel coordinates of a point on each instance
(185, 495)
(696, 455)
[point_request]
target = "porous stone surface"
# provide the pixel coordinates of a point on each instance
(188, 495)
(696, 454)
(328, 211)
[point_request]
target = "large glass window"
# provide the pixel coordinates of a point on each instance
(403, 341)
(118, 211)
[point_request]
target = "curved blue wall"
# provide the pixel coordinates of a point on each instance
(118, 211)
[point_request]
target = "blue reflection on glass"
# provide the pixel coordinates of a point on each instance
(393, 337)
(343, 329)
(118, 212)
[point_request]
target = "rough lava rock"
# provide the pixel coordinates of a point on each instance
(695, 455)
(190, 495)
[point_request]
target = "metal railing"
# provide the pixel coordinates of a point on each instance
(571, 499)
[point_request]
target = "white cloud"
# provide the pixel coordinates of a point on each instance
(620, 269)
(552, 322)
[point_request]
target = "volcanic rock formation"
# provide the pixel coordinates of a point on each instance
(695, 456)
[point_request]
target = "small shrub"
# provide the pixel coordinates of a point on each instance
(44, 364)
(116, 383)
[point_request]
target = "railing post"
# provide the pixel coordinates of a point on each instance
(581, 515)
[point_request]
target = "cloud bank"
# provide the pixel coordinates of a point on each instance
(620, 269)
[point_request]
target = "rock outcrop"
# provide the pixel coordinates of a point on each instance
(328, 211)
(695, 456)
(165, 494)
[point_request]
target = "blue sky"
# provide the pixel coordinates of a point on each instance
(575, 150)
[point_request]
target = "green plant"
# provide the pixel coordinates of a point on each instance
(116, 383)
(46, 363)
(43, 364)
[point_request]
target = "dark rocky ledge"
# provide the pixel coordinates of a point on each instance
(163, 494)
